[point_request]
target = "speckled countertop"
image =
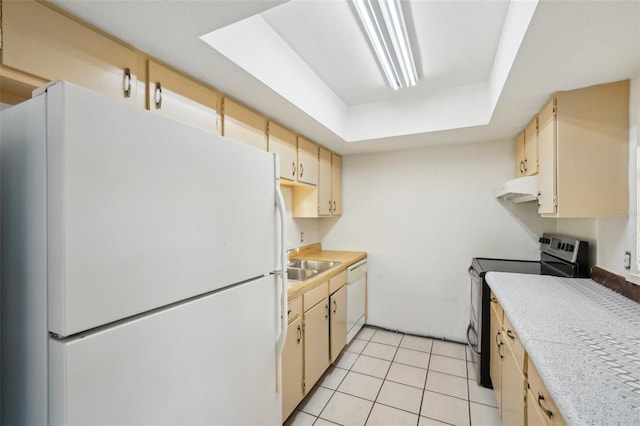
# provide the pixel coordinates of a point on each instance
(584, 340)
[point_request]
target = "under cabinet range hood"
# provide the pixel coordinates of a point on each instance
(519, 190)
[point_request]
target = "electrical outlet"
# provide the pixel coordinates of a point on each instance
(627, 260)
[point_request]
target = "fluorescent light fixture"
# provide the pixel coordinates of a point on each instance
(384, 25)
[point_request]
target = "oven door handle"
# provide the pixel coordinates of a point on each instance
(470, 328)
(473, 274)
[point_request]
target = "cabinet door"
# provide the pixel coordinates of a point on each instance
(307, 161)
(179, 98)
(496, 355)
(292, 368)
(338, 321)
(520, 155)
(324, 183)
(40, 41)
(243, 125)
(547, 192)
(316, 343)
(336, 184)
(531, 148)
(534, 416)
(284, 142)
(513, 389)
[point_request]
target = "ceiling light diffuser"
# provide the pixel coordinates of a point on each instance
(383, 22)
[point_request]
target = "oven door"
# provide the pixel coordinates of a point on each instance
(474, 330)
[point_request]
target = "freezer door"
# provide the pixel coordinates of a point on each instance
(144, 211)
(208, 361)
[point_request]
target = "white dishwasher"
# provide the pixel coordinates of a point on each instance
(356, 297)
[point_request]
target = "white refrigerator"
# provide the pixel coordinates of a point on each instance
(141, 265)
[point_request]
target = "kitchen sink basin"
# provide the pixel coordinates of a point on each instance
(299, 274)
(303, 269)
(317, 265)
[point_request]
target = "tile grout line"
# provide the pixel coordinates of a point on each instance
(424, 387)
(383, 380)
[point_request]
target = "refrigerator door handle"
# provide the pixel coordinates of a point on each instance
(282, 274)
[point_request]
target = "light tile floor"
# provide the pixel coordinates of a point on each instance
(391, 379)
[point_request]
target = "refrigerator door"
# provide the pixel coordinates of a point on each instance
(159, 369)
(144, 211)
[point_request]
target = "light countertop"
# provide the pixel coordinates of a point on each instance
(584, 340)
(315, 252)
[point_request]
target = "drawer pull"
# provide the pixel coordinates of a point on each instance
(510, 334)
(499, 344)
(299, 334)
(335, 306)
(548, 413)
(293, 168)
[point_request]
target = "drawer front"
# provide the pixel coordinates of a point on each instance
(337, 282)
(295, 309)
(497, 308)
(514, 343)
(541, 398)
(315, 295)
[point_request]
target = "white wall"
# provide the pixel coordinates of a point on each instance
(293, 227)
(422, 215)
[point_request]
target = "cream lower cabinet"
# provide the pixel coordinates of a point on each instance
(521, 395)
(497, 349)
(506, 368)
(316, 343)
(292, 360)
(338, 321)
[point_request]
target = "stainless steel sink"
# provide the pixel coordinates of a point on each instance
(302, 269)
(298, 274)
(318, 265)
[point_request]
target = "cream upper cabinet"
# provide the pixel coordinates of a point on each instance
(177, 97)
(38, 40)
(325, 199)
(285, 144)
(520, 155)
(307, 161)
(325, 203)
(583, 144)
(531, 148)
(336, 184)
(243, 125)
(527, 150)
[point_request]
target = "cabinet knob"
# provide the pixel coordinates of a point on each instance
(126, 83)
(157, 95)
